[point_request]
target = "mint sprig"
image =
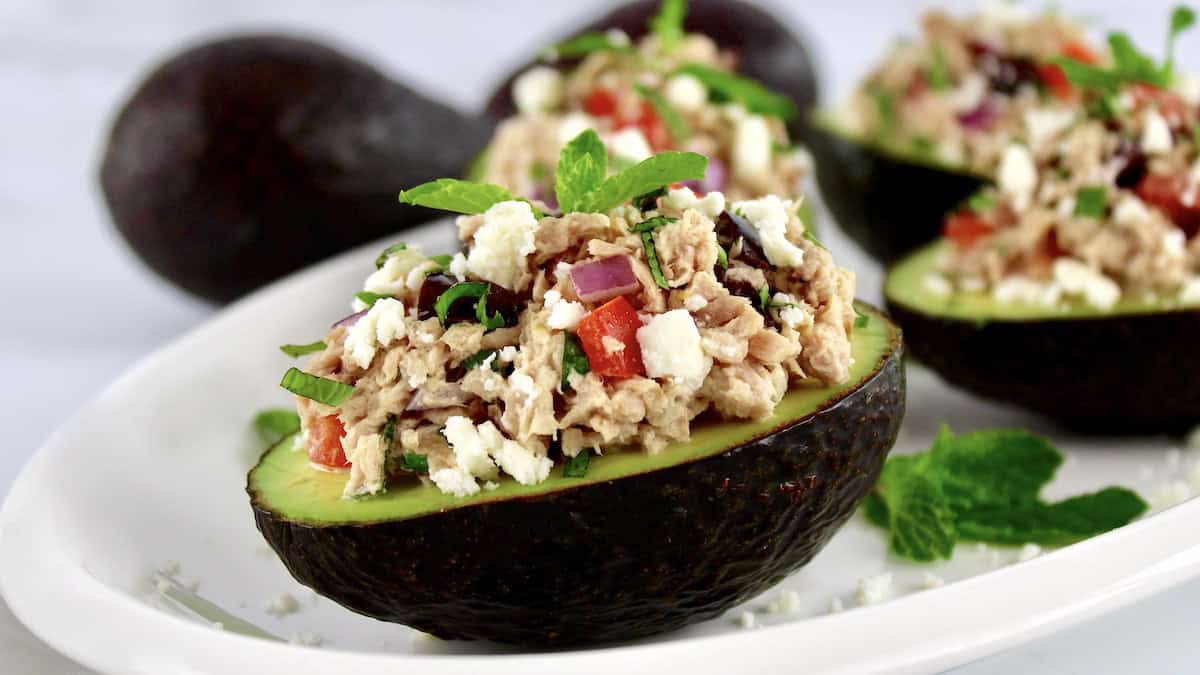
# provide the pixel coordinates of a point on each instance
(985, 487)
(458, 196)
(726, 86)
(582, 166)
(649, 174)
(668, 23)
(1130, 65)
(582, 45)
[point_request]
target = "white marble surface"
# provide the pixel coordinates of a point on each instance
(78, 309)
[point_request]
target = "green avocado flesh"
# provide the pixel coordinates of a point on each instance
(826, 121)
(285, 483)
(905, 285)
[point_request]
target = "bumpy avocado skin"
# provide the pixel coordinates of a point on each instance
(1119, 374)
(241, 160)
(618, 560)
(887, 205)
(768, 50)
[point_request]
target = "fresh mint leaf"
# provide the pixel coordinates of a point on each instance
(1057, 524)
(276, 424)
(582, 45)
(1130, 64)
(296, 351)
(458, 196)
(577, 466)
(677, 126)
(997, 467)
(1091, 202)
(574, 360)
(645, 176)
(473, 361)
(667, 25)
(582, 166)
(918, 513)
(652, 260)
(722, 257)
(1182, 18)
(726, 86)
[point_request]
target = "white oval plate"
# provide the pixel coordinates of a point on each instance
(149, 477)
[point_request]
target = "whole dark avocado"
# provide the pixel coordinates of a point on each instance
(889, 202)
(641, 545)
(767, 49)
(1124, 371)
(241, 160)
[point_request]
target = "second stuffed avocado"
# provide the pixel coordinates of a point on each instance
(931, 124)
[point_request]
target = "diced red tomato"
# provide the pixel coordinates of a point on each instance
(616, 320)
(652, 127)
(965, 229)
(1165, 191)
(325, 443)
(600, 103)
(1056, 81)
(1081, 52)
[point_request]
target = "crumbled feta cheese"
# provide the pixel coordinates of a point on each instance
(711, 205)
(969, 94)
(523, 384)
(695, 302)
(507, 354)
(1028, 552)
(937, 285)
(392, 278)
(472, 446)
(502, 243)
(670, 344)
(874, 589)
(769, 216)
(751, 147)
(733, 112)
(458, 266)
(791, 313)
(1066, 207)
(784, 603)
(836, 606)
(686, 92)
(629, 144)
(1130, 212)
(1077, 278)
(1017, 176)
(416, 276)
(538, 90)
(1170, 494)
(526, 467)
(746, 620)
(1019, 289)
(572, 124)
(283, 606)
(381, 326)
(564, 314)
(617, 37)
(931, 581)
(454, 481)
(1156, 134)
(1189, 294)
(1044, 124)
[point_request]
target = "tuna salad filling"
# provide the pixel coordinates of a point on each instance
(609, 326)
(645, 97)
(1101, 208)
(970, 85)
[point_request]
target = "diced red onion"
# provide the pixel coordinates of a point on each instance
(546, 197)
(351, 320)
(604, 279)
(981, 117)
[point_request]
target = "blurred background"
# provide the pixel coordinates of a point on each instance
(79, 307)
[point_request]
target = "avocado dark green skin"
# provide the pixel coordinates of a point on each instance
(617, 560)
(887, 205)
(768, 50)
(1115, 375)
(241, 160)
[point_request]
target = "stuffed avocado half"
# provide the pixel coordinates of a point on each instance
(591, 424)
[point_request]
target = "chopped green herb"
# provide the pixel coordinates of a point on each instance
(861, 320)
(276, 424)
(473, 361)
(885, 106)
(812, 238)
(652, 224)
(1196, 135)
(649, 201)
(725, 86)
(388, 434)
(582, 166)
(677, 126)
(652, 260)
(577, 466)
(939, 78)
(985, 487)
(1091, 202)
(389, 252)
(369, 299)
(722, 257)
(489, 322)
(981, 201)
(319, 389)
(415, 462)
(296, 351)
(668, 23)
(459, 196)
(781, 148)
(922, 146)
(764, 297)
(650, 174)
(582, 45)
(1182, 18)
(574, 360)
(442, 260)
(1129, 64)
(463, 289)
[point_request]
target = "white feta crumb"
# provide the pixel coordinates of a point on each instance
(629, 144)
(1044, 124)
(416, 276)
(490, 485)
(392, 278)
(525, 466)
(769, 216)
(1017, 176)
(564, 314)
(307, 639)
(507, 354)
(415, 380)
(1156, 134)
(670, 344)
(711, 205)
(572, 124)
(1065, 207)
(686, 92)
(283, 606)
(746, 620)
(382, 325)
(1174, 243)
(751, 155)
(1076, 278)
(791, 313)
(836, 606)
(1189, 294)
(458, 266)
(1019, 289)
(454, 481)
(538, 90)
(471, 445)
(502, 242)
(938, 285)
(785, 603)
(1130, 212)
(695, 302)
(968, 94)
(874, 589)
(617, 37)
(931, 581)
(1028, 552)
(1170, 494)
